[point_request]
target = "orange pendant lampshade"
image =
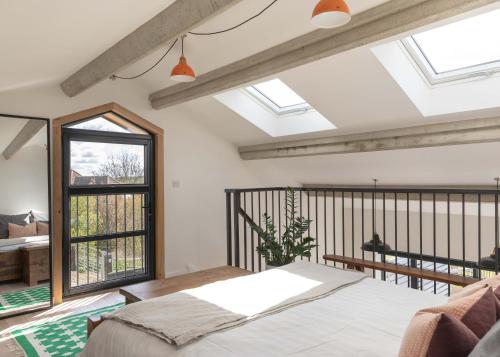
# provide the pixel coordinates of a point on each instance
(182, 72)
(330, 14)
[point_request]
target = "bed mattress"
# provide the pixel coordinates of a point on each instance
(365, 319)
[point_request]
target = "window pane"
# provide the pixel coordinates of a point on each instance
(99, 215)
(279, 93)
(106, 164)
(462, 44)
(111, 123)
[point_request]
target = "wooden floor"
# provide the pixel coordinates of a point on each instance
(73, 305)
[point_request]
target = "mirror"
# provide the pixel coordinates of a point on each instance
(25, 265)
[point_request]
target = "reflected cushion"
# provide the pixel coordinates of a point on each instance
(42, 229)
(5, 219)
(18, 231)
(489, 345)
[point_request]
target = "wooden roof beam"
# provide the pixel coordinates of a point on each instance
(177, 19)
(389, 19)
(29, 130)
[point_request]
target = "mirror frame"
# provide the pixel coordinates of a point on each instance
(49, 196)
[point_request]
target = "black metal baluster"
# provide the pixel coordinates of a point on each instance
(237, 207)
(383, 234)
(245, 230)
(229, 233)
(410, 279)
(421, 238)
(125, 229)
(463, 234)
(77, 244)
(308, 217)
(496, 232)
(396, 229)
(374, 197)
(116, 231)
(479, 235)
(352, 224)
(97, 233)
(88, 265)
(324, 223)
(260, 225)
(334, 228)
(279, 216)
(362, 223)
(107, 241)
(449, 236)
(343, 227)
(252, 236)
(316, 219)
(434, 234)
(133, 229)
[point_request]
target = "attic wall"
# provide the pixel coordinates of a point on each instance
(198, 167)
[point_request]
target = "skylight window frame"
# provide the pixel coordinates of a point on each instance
(420, 59)
(269, 104)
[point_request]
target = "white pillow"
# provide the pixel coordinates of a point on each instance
(39, 215)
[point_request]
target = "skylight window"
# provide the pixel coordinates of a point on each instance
(278, 97)
(460, 50)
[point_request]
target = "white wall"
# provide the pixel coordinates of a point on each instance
(23, 179)
(202, 163)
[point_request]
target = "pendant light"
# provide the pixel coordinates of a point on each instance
(330, 14)
(182, 72)
(376, 244)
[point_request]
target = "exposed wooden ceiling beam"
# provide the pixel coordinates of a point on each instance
(386, 20)
(29, 130)
(443, 134)
(171, 23)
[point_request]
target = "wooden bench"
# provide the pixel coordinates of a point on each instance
(155, 288)
(361, 264)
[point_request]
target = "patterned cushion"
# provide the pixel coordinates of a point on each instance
(478, 311)
(452, 329)
(471, 289)
(437, 335)
(42, 229)
(17, 231)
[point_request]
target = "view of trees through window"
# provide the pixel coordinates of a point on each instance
(98, 216)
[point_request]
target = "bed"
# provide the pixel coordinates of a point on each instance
(365, 318)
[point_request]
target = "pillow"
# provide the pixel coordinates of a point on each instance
(471, 289)
(437, 335)
(39, 216)
(42, 229)
(478, 311)
(17, 231)
(489, 345)
(5, 219)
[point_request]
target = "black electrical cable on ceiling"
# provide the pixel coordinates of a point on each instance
(114, 76)
(236, 26)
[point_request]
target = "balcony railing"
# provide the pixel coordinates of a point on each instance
(452, 233)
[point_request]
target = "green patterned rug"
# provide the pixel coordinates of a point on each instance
(65, 336)
(24, 299)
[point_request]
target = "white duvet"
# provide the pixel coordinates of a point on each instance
(15, 243)
(365, 319)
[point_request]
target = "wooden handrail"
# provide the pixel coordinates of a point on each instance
(404, 270)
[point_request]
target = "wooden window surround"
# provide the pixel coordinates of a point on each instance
(57, 184)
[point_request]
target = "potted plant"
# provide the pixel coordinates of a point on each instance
(278, 251)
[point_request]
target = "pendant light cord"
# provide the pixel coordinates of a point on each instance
(235, 26)
(114, 76)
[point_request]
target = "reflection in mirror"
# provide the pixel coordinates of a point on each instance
(24, 216)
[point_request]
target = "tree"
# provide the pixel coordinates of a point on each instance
(124, 167)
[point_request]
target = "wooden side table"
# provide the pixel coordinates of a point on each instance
(36, 265)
